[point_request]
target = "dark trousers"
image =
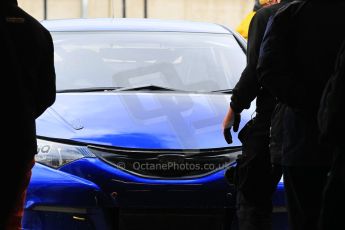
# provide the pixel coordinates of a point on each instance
(257, 179)
(303, 188)
(333, 205)
(16, 179)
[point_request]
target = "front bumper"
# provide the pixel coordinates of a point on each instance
(131, 191)
(59, 200)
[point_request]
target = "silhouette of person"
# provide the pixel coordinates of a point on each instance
(257, 179)
(28, 89)
(295, 64)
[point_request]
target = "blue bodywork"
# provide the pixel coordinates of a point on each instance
(57, 200)
(142, 120)
(80, 194)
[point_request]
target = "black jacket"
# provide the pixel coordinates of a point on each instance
(248, 87)
(332, 106)
(296, 60)
(27, 78)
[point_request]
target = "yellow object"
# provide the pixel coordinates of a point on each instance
(244, 26)
(263, 2)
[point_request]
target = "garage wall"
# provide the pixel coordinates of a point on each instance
(228, 12)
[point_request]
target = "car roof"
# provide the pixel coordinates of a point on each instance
(141, 25)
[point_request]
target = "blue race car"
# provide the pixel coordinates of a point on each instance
(133, 140)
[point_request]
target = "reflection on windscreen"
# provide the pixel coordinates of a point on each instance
(185, 61)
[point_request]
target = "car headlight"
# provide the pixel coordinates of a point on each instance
(55, 154)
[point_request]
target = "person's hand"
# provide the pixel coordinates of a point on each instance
(231, 120)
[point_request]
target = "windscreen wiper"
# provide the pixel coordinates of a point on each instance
(223, 91)
(91, 89)
(147, 87)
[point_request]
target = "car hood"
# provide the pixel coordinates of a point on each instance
(141, 120)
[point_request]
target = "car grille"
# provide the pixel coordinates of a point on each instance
(168, 163)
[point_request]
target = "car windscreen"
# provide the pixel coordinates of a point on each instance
(184, 61)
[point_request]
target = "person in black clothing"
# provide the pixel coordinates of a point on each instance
(28, 89)
(296, 60)
(257, 179)
(332, 125)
